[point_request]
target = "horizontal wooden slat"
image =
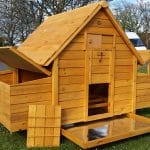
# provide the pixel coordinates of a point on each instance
(107, 47)
(71, 80)
(100, 69)
(100, 78)
(78, 38)
(102, 30)
(29, 98)
(143, 79)
(71, 88)
(7, 77)
(47, 80)
(76, 46)
(71, 104)
(123, 90)
(119, 40)
(123, 69)
(145, 104)
(103, 62)
(143, 86)
(97, 54)
(119, 97)
(124, 106)
(121, 47)
(71, 72)
(17, 117)
(23, 107)
(100, 23)
(71, 96)
(123, 76)
(71, 55)
(71, 63)
(101, 15)
(120, 83)
(107, 39)
(98, 105)
(142, 92)
(123, 54)
(123, 110)
(143, 98)
(23, 90)
(123, 62)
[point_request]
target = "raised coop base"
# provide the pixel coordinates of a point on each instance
(109, 130)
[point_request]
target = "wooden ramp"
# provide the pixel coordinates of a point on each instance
(109, 130)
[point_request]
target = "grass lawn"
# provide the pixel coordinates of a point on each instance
(17, 141)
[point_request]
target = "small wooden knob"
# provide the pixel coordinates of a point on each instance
(104, 4)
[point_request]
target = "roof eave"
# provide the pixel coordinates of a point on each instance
(25, 58)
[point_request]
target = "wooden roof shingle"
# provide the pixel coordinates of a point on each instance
(52, 36)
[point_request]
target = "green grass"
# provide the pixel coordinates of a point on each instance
(143, 69)
(17, 141)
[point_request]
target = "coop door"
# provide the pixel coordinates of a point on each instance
(100, 54)
(99, 51)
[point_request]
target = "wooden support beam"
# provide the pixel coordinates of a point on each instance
(134, 84)
(55, 82)
(112, 77)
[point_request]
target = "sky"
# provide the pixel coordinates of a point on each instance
(116, 2)
(130, 1)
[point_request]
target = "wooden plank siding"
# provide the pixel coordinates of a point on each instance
(143, 92)
(5, 105)
(123, 74)
(15, 100)
(123, 80)
(25, 94)
(71, 81)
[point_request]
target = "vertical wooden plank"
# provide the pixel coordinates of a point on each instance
(15, 76)
(148, 68)
(55, 82)
(112, 78)
(134, 84)
(86, 79)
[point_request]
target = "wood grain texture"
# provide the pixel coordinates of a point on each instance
(74, 21)
(44, 122)
(143, 90)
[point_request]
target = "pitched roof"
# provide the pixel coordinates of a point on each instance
(52, 36)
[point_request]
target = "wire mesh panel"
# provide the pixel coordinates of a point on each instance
(44, 122)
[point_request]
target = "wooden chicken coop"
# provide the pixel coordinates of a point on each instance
(82, 61)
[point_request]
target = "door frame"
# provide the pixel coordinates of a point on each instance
(111, 84)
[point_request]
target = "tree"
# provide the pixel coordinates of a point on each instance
(8, 27)
(135, 17)
(19, 18)
(129, 16)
